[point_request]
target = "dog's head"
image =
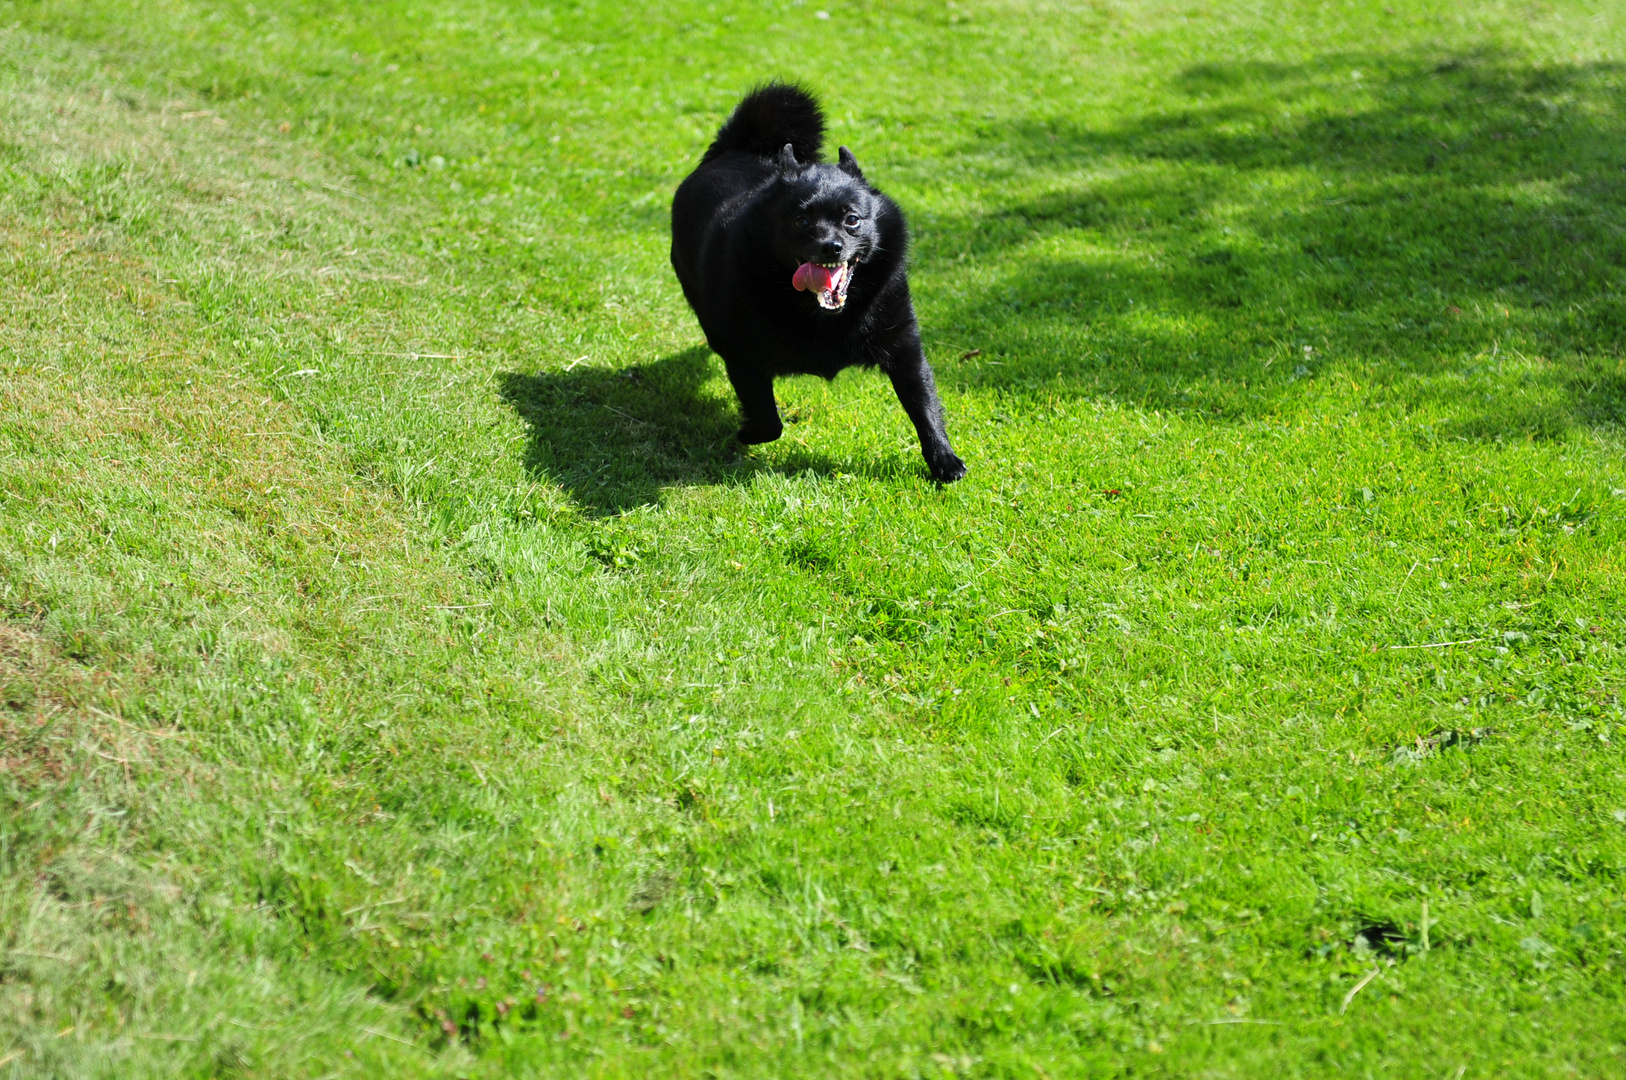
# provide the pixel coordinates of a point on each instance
(826, 225)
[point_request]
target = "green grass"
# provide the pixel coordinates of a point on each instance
(405, 674)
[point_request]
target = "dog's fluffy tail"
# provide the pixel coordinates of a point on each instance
(768, 118)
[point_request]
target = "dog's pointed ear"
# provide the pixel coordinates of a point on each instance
(787, 159)
(849, 164)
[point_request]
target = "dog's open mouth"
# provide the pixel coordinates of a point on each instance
(826, 281)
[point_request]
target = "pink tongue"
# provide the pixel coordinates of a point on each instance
(813, 277)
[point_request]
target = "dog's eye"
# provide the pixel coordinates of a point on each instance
(852, 220)
(801, 223)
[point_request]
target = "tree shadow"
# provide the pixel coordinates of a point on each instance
(1424, 218)
(613, 440)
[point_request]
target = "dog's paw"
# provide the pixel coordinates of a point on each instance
(947, 469)
(751, 435)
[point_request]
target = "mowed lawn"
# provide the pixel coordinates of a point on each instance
(406, 674)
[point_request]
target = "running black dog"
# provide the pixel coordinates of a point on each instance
(796, 267)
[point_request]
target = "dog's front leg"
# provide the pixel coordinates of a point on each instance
(912, 378)
(759, 413)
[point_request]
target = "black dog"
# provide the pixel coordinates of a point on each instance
(795, 267)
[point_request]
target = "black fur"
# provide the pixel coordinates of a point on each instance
(761, 204)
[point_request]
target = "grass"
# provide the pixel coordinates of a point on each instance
(405, 674)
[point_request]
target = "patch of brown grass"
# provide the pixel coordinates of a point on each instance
(43, 706)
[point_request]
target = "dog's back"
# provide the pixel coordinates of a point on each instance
(738, 161)
(768, 118)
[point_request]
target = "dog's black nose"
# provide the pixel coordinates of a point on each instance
(831, 249)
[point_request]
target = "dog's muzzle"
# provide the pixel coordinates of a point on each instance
(826, 281)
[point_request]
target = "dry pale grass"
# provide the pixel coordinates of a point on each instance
(166, 513)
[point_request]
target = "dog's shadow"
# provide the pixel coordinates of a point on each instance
(613, 440)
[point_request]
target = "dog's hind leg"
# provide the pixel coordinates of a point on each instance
(912, 378)
(759, 413)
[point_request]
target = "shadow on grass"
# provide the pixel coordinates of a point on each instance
(1428, 219)
(614, 439)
